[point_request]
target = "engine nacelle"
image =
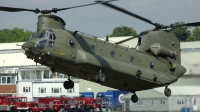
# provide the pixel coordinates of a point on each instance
(157, 49)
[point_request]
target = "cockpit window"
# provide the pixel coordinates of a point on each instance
(44, 34)
(52, 39)
(52, 36)
(34, 36)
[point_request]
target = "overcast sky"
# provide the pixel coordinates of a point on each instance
(99, 20)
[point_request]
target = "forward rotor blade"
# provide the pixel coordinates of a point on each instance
(85, 5)
(12, 9)
(127, 12)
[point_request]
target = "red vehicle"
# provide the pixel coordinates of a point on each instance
(38, 107)
(55, 103)
(13, 103)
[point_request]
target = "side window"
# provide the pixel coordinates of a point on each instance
(52, 39)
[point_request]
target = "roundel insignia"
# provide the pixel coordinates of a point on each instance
(121, 98)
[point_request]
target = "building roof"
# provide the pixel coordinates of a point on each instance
(187, 45)
(14, 45)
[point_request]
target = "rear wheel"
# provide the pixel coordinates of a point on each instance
(167, 92)
(134, 98)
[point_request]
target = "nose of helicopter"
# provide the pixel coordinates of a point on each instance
(27, 46)
(33, 47)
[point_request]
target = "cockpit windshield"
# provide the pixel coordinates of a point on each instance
(34, 36)
(44, 34)
(46, 39)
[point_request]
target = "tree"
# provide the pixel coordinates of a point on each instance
(123, 31)
(195, 35)
(14, 35)
(182, 32)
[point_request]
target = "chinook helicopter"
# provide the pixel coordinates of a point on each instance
(154, 62)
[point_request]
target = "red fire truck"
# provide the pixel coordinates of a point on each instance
(55, 103)
(13, 103)
(38, 107)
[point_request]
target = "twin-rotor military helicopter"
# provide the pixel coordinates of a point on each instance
(154, 62)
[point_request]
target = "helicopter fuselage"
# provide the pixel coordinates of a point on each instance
(151, 64)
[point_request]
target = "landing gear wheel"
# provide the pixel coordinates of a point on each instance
(167, 92)
(96, 78)
(100, 78)
(71, 84)
(65, 84)
(68, 84)
(134, 98)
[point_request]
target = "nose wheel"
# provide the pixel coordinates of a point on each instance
(134, 98)
(68, 84)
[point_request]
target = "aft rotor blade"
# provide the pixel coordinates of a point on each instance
(195, 24)
(127, 12)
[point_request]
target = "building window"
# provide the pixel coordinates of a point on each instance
(53, 75)
(26, 75)
(26, 89)
(46, 74)
(195, 101)
(182, 101)
(42, 90)
(3, 79)
(7, 79)
(162, 102)
(150, 102)
(13, 80)
(38, 74)
(139, 103)
(60, 75)
(56, 90)
(179, 101)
